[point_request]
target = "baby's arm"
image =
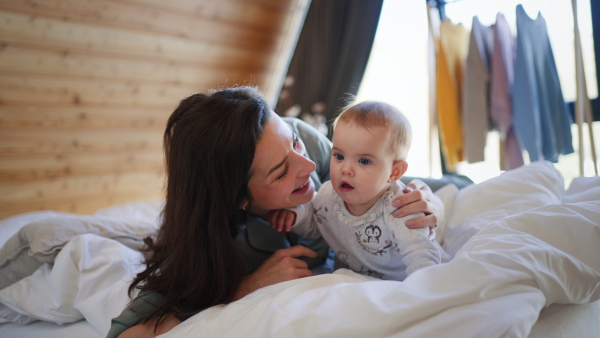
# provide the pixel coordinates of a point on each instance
(298, 219)
(282, 219)
(417, 249)
(285, 219)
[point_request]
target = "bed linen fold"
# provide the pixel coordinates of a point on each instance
(513, 263)
(495, 286)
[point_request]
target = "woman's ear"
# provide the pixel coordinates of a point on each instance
(244, 205)
(398, 169)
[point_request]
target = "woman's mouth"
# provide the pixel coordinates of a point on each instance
(345, 186)
(302, 189)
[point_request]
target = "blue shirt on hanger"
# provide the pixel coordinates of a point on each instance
(540, 114)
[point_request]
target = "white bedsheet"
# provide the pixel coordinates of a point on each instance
(508, 271)
(494, 287)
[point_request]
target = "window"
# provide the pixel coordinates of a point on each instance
(398, 72)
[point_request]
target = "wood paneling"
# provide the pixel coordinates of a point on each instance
(52, 166)
(23, 59)
(86, 87)
(41, 31)
(58, 141)
(222, 23)
(29, 117)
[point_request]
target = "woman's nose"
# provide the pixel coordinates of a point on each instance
(307, 166)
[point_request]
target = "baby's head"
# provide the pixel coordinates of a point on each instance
(374, 114)
(370, 145)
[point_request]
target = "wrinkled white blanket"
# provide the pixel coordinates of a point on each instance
(521, 251)
(496, 286)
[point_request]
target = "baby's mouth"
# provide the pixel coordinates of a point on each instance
(345, 186)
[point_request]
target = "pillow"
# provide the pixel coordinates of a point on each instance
(513, 192)
(583, 189)
(11, 225)
(447, 194)
(89, 279)
(437, 183)
(138, 210)
(39, 242)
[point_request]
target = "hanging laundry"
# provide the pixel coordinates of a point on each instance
(475, 93)
(540, 114)
(502, 70)
(450, 58)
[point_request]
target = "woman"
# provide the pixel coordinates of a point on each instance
(230, 159)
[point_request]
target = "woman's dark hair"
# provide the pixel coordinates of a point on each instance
(209, 144)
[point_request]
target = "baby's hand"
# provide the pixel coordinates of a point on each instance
(282, 219)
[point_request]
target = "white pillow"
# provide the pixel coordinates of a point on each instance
(513, 192)
(88, 271)
(39, 242)
(447, 194)
(583, 189)
(11, 225)
(138, 210)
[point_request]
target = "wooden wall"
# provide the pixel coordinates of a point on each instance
(86, 87)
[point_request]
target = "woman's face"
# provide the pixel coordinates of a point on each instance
(281, 177)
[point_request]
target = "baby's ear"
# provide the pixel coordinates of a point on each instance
(398, 169)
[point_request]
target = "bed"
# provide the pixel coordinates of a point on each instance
(526, 263)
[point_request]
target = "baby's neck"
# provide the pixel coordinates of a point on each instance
(357, 209)
(361, 209)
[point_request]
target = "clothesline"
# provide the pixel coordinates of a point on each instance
(541, 139)
(440, 4)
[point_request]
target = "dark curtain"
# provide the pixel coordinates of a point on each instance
(330, 58)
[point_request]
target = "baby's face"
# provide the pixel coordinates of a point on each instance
(361, 164)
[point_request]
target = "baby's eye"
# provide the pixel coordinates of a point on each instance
(364, 161)
(296, 140)
(338, 157)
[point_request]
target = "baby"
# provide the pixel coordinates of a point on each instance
(353, 210)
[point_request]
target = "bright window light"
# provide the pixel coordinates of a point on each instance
(397, 72)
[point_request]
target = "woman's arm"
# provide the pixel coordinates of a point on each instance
(282, 266)
(418, 197)
(146, 330)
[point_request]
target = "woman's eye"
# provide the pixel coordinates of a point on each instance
(338, 157)
(364, 161)
(280, 177)
(283, 174)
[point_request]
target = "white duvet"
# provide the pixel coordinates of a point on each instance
(519, 245)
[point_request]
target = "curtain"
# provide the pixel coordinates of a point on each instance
(330, 59)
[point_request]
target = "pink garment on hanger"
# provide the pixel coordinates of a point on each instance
(502, 74)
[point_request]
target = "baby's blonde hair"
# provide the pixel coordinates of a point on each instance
(369, 114)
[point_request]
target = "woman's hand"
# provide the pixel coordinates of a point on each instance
(417, 198)
(282, 266)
